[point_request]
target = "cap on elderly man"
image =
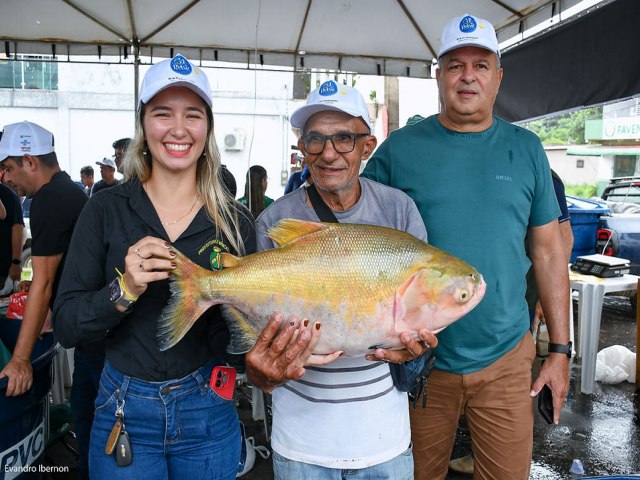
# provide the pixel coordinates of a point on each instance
(107, 162)
(468, 31)
(23, 138)
(174, 72)
(332, 96)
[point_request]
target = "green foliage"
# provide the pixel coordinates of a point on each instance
(584, 191)
(563, 129)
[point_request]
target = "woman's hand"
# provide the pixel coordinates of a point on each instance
(148, 260)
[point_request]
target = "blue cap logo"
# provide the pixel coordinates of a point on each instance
(468, 24)
(181, 65)
(328, 88)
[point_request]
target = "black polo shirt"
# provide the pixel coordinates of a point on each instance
(109, 225)
(55, 208)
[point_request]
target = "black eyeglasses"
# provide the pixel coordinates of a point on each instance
(342, 142)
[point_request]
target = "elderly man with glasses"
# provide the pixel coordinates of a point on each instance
(346, 416)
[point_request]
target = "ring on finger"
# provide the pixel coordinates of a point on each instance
(426, 345)
(137, 252)
(141, 266)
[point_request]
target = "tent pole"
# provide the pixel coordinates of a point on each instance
(136, 77)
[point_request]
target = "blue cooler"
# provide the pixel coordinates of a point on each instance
(24, 419)
(585, 216)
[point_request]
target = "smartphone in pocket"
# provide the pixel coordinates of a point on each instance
(223, 381)
(545, 404)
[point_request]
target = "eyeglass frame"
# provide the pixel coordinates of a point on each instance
(354, 137)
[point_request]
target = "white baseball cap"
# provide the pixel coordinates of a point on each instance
(174, 72)
(107, 162)
(467, 30)
(332, 96)
(23, 138)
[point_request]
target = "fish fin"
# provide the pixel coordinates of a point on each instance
(289, 229)
(185, 305)
(243, 335)
(228, 260)
(409, 296)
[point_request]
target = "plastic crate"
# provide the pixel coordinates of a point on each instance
(585, 215)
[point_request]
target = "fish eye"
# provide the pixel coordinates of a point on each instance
(462, 295)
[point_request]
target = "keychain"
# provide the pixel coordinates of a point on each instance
(118, 441)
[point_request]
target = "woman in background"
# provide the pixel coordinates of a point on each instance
(254, 189)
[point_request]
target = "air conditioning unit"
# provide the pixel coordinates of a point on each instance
(234, 140)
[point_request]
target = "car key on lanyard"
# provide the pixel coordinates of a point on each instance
(118, 441)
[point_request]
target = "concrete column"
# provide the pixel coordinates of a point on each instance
(392, 101)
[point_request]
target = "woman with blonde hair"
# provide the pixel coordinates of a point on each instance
(155, 412)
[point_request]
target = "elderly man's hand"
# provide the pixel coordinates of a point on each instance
(20, 375)
(413, 348)
(280, 354)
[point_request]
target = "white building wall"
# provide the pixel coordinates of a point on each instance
(566, 166)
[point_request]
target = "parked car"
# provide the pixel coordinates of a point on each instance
(623, 190)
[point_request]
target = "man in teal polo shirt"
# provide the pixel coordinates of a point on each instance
(480, 184)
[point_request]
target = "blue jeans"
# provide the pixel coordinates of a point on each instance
(177, 429)
(398, 468)
(84, 390)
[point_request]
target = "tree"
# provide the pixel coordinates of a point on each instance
(563, 129)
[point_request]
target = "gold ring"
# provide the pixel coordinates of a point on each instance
(141, 266)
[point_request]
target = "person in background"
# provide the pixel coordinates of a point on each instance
(11, 231)
(119, 150)
(108, 174)
(298, 179)
(116, 285)
(503, 190)
(533, 301)
(86, 178)
(254, 190)
(360, 430)
(229, 181)
(31, 168)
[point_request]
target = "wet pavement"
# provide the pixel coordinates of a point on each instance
(602, 430)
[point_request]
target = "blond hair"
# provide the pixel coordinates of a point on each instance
(219, 205)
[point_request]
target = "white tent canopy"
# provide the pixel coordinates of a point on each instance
(384, 37)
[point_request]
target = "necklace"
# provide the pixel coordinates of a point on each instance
(168, 224)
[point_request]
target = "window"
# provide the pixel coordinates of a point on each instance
(29, 72)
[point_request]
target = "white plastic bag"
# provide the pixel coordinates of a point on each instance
(616, 364)
(252, 449)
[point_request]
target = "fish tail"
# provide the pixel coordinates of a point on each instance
(186, 303)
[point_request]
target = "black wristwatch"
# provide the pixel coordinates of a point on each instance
(561, 348)
(117, 295)
(16, 261)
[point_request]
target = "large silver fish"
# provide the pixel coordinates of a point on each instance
(366, 284)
